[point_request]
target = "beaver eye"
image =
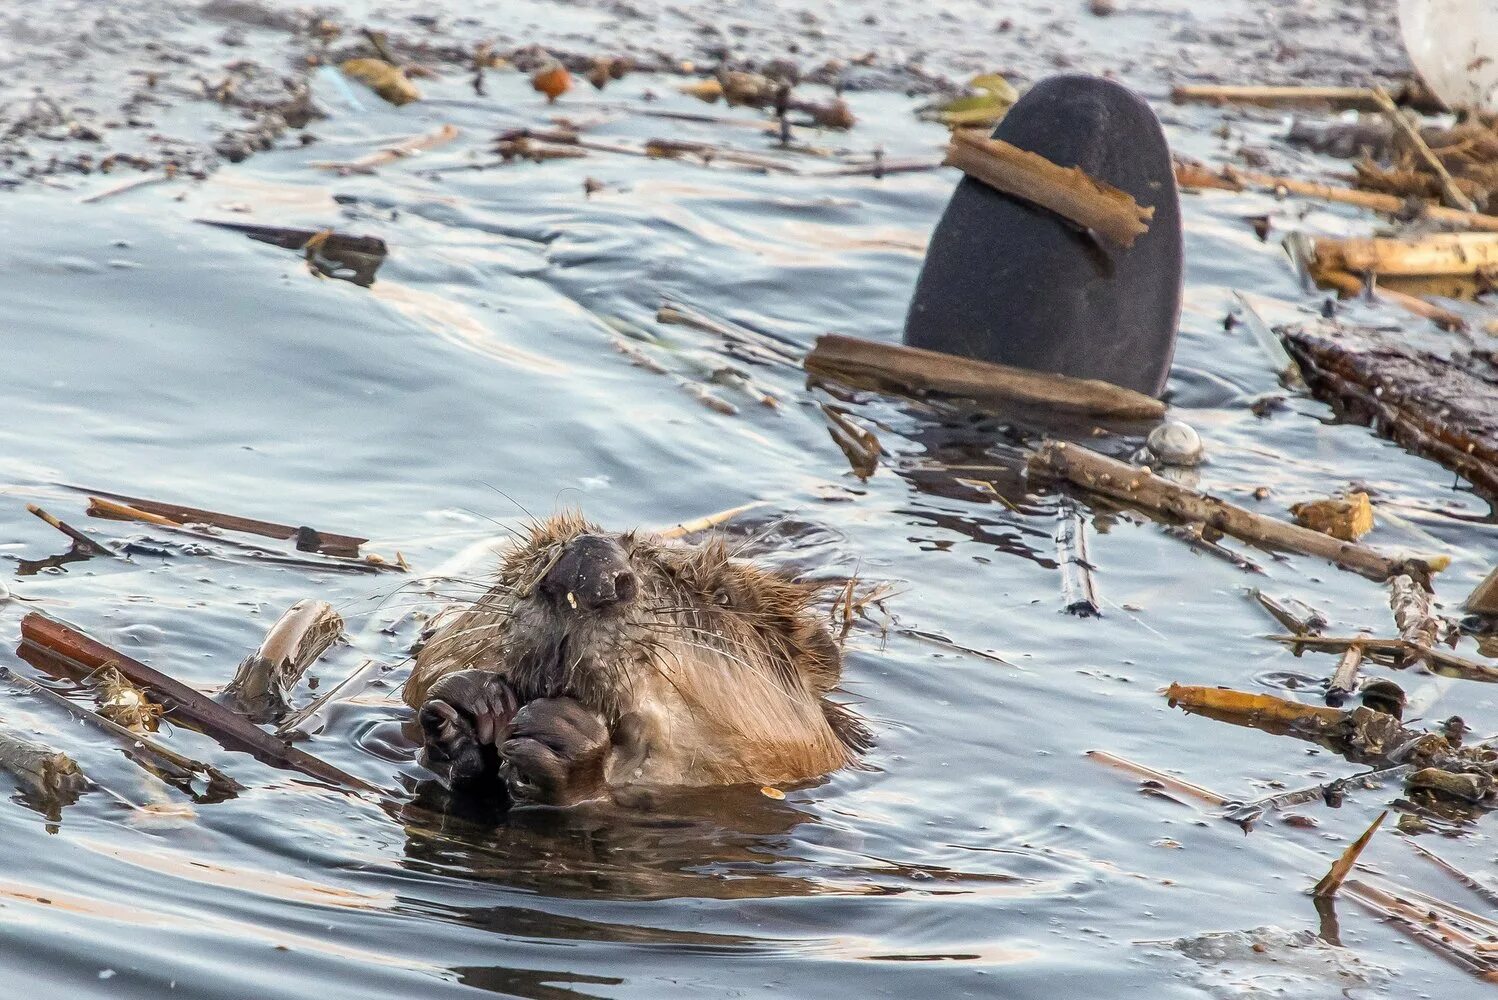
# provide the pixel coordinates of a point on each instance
(722, 598)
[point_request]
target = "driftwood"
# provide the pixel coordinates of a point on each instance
(231, 730)
(1141, 487)
(47, 775)
(1443, 408)
(1230, 178)
(916, 372)
(1412, 139)
(1311, 624)
(175, 768)
(1112, 214)
(307, 539)
(264, 680)
(1422, 256)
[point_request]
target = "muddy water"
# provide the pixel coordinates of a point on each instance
(980, 853)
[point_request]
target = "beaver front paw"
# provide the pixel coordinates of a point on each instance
(555, 754)
(465, 716)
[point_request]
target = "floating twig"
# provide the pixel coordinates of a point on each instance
(1141, 487)
(1343, 866)
(133, 184)
(1246, 814)
(917, 372)
(858, 444)
(1470, 881)
(231, 730)
(1410, 604)
(756, 345)
(1078, 589)
(1341, 98)
(84, 542)
(1112, 214)
(404, 149)
(1311, 624)
(1167, 782)
(265, 678)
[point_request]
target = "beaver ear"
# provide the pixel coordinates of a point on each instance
(824, 658)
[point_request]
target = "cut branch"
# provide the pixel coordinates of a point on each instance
(84, 542)
(912, 371)
(1141, 487)
(1068, 191)
(1450, 194)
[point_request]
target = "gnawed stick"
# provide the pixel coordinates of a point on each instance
(1342, 98)
(1345, 678)
(1349, 285)
(172, 767)
(48, 775)
(1141, 487)
(1343, 866)
(695, 525)
(307, 539)
(757, 346)
(264, 680)
(1068, 191)
(304, 721)
(1412, 139)
(231, 730)
(1078, 590)
(84, 542)
(1167, 782)
(857, 443)
(1230, 178)
(913, 371)
(1424, 923)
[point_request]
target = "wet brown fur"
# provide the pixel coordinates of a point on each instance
(719, 671)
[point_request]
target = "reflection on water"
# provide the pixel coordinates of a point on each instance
(477, 378)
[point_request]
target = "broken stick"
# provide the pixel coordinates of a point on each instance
(1345, 678)
(1141, 487)
(307, 539)
(913, 371)
(265, 678)
(46, 774)
(695, 525)
(1343, 866)
(231, 730)
(1112, 214)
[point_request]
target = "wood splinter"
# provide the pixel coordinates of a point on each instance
(1072, 194)
(264, 680)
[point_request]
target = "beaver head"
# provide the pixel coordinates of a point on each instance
(707, 668)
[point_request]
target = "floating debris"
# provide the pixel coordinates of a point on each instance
(388, 81)
(262, 684)
(1175, 443)
(1348, 518)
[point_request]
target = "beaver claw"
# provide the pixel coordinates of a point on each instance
(555, 754)
(465, 715)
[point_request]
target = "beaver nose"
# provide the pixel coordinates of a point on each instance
(592, 573)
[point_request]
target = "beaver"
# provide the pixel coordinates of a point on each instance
(600, 661)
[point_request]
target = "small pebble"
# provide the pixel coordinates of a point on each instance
(1175, 443)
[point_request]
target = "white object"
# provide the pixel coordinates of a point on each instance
(1454, 45)
(1175, 443)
